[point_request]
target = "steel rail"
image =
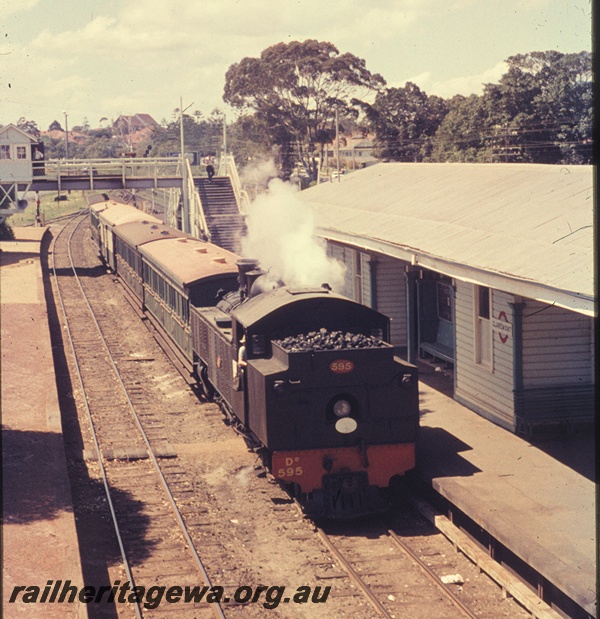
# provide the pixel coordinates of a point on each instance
(359, 582)
(216, 607)
(354, 576)
(105, 483)
(450, 595)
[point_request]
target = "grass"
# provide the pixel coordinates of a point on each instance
(75, 201)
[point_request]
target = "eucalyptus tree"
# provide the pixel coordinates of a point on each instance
(540, 111)
(544, 105)
(404, 121)
(463, 134)
(29, 126)
(296, 89)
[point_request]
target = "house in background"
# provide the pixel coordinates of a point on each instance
(135, 131)
(355, 152)
(125, 125)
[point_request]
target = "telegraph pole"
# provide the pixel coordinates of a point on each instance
(184, 179)
(66, 137)
(224, 135)
(337, 145)
(186, 202)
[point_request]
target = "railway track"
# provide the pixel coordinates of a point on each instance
(398, 577)
(413, 562)
(154, 543)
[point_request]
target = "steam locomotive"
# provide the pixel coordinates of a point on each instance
(306, 375)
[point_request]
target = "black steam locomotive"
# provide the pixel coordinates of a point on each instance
(305, 374)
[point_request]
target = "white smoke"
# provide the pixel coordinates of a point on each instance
(258, 173)
(281, 234)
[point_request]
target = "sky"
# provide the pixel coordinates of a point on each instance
(96, 59)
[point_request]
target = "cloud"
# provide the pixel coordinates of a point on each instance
(10, 7)
(463, 85)
(468, 84)
(125, 56)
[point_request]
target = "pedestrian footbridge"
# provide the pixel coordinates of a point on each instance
(84, 174)
(95, 174)
(213, 210)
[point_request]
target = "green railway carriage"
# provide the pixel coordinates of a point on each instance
(183, 272)
(128, 238)
(95, 210)
(112, 215)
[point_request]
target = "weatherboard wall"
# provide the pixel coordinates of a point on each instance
(557, 347)
(377, 281)
(391, 297)
(487, 389)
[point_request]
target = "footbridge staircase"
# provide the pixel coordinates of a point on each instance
(212, 209)
(225, 223)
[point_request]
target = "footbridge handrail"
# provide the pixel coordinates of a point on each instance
(199, 226)
(125, 167)
(227, 167)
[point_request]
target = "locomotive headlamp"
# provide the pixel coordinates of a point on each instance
(346, 425)
(342, 408)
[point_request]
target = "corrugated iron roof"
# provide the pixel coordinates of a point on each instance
(116, 213)
(187, 260)
(522, 223)
(140, 232)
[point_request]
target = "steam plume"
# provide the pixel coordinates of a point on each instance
(281, 234)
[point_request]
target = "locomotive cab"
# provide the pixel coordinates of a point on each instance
(309, 376)
(337, 410)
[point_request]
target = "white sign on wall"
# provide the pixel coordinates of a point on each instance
(502, 327)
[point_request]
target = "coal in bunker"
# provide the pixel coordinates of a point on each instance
(328, 340)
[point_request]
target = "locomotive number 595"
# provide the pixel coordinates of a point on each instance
(341, 366)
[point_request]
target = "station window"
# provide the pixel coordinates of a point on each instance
(185, 314)
(358, 283)
(5, 151)
(483, 326)
(21, 152)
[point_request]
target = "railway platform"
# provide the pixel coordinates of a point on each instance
(538, 507)
(39, 532)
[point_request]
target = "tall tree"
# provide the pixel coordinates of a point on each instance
(565, 103)
(29, 126)
(249, 138)
(404, 121)
(540, 111)
(296, 88)
(463, 134)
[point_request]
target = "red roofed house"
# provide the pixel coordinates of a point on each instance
(130, 124)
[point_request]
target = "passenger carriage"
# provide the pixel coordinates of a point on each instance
(183, 272)
(105, 216)
(128, 238)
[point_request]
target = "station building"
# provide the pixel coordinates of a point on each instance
(486, 269)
